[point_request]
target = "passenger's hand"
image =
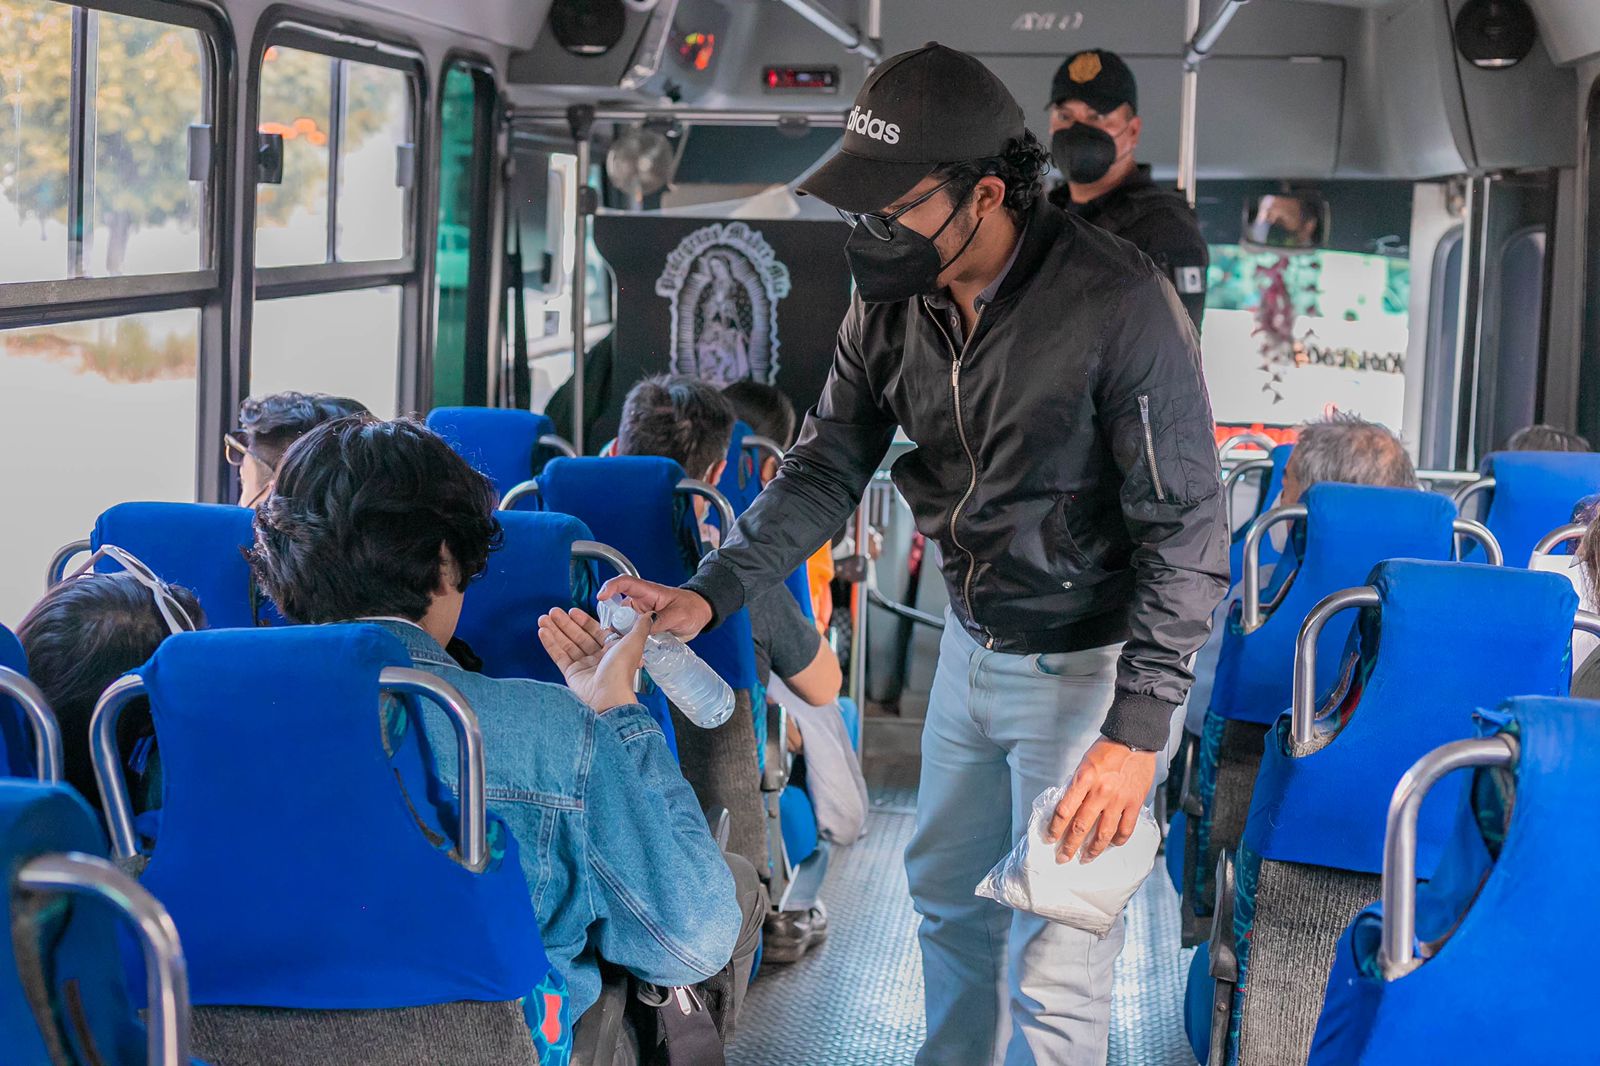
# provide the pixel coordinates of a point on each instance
(1101, 806)
(598, 664)
(678, 611)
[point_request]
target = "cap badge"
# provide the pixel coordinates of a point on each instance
(1085, 67)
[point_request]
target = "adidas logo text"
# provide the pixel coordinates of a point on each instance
(876, 128)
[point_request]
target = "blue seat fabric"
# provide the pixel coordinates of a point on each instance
(1534, 493)
(1514, 982)
(1267, 501)
(289, 858)
(741, 484)
(78, 936)
(500, 443)
(16, 745)
(197, 545)
(799, 825)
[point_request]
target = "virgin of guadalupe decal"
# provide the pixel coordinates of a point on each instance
(723, 283)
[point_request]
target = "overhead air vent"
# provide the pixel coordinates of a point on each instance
(588, 27)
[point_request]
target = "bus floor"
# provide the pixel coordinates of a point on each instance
(857, 1001)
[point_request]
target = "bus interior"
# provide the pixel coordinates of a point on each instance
(530, 205)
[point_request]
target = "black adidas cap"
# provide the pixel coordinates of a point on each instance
(1099, 78)
(917, 110)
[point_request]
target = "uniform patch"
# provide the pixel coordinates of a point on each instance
(1191, 281)
(1085, 67)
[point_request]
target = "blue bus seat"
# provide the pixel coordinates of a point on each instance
(1507, 917)
(61, 968)
(325, 907)
(502, 444)
(16, 752)
(1271, 490)
(200, 546)
(533, 571)
(1445, 638)
(800, 837)
(1348, 530)
(741, 484)
(1534, 492)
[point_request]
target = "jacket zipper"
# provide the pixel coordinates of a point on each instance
(1150, 447)
(972, 485)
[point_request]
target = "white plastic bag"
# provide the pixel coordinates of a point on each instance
(1084, 895)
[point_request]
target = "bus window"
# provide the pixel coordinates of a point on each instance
(91, 414)
(466, 147)
(344, 343)
(296, 104)
(374, 128)
(1589, 365)
(128, 207)
(1288, 339)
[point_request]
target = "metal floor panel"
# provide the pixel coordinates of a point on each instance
(858, 1000)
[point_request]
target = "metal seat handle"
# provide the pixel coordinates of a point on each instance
(694, 487)
(1479, 532)
(1259, 441)
(1559, 536)
(1471, 489)
(1251, 617)
(1234, 476)
(166, 971)
(764, 447)
(558, 443)
(529, 487)
(58, 562)
(46, 730)
(1303, 709)
(1396, 952)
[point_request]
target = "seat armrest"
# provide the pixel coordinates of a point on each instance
(721, 823)
(1224, 961)
(1189, 760)
(775, 776)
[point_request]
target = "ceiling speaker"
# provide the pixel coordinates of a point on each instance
(588, 27)
(1495, 34)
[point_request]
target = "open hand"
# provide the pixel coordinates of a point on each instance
(599, 666)
(678, 611)
(1104, 800)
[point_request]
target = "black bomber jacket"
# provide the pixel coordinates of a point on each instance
(1065, 464)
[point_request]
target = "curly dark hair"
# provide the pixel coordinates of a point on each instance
(87, 632)
(764, 408)
(1022, 167)
(271, 423)
(680, 418)
(361, 508)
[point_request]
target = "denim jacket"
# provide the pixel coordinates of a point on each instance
(614, 845)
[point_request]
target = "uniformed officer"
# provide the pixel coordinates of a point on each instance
(1094, 131)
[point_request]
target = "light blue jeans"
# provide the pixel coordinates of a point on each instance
(1004, 987)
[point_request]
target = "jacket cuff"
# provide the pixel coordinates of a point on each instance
(720, 587)
(1139, 721)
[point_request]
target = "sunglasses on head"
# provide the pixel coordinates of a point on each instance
(879, 225)
(172, 612)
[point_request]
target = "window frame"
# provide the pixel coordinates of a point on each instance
(292, 27)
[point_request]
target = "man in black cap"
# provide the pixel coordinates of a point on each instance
(1094, 131)
(1066, 468)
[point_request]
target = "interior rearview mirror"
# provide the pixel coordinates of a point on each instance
(1286, 223)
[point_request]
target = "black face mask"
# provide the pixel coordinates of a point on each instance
(1084, 153)
(905, 265)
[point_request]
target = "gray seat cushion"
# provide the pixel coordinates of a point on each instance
(450, 1034)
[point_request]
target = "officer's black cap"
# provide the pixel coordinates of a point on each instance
(917, 110)
(1097, 77)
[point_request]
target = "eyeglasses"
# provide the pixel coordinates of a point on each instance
(172, 612)
(879, 225)
(234, 450)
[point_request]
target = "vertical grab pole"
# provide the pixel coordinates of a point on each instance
(580, 117)
(858, 637)
(1188, 113)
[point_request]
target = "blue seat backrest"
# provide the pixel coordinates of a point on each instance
(1349, 530)
(1516, 976)
(1268, 499)
(631, 503)
(16, 743)
(499, 443)
(532, 572)
(741, 484)
(77, 937)
(1447, 638)
(798, 823)
(290, 860)
(197, 545)
(1534, 493)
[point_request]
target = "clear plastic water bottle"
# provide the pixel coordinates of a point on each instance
(689, 682)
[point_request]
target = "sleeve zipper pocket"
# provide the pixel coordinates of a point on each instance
(1150, 447)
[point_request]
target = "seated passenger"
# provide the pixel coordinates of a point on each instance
(85, 633)
(1545, 438)
(383, 522)
(689, 421)
(269, 425)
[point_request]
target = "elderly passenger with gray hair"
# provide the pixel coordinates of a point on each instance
(1349, 449)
